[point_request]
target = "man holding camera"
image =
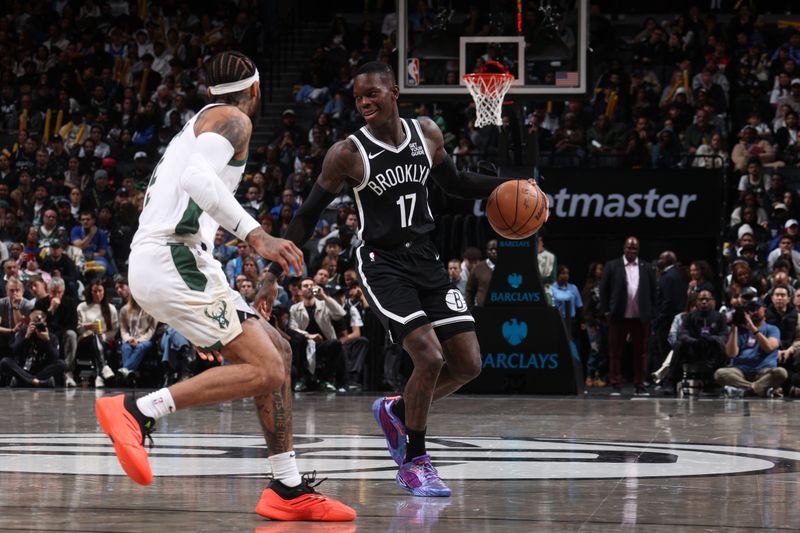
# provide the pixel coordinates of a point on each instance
(313, 318)
(35, 362)
(753, 348)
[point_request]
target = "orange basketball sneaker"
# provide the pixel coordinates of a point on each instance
(127, 433)
(279, 502)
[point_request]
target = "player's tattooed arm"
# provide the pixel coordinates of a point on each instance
(229, 122)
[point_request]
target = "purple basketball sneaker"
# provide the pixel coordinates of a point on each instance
(420, 478)
(393, 429)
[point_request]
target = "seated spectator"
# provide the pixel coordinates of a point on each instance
(93, 242)
(700, 340)
(755, 261)
(785, 250)
(741, 277)
(59, 265)
(782, 274)
(666, 151)
(750, 147)
(247, 289)
(782, 314)
(177, 355)
(62, 320)
(313, 319)
(235, 266)
(700, 277)
(97, 328)
(34, 361)
(289, 199)
(791, 228)
(777, 191)
(569, 142)
(749, 199)
(602, 137)
(136, 329)
(699, 133)
(787, 140)
(711, 155)
(750, 225)
(46, 231)
(222, 250)
(752, 347)
(13, 308)
(755, 182)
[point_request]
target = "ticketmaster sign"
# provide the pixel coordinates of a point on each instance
(652, 204)
(619, 202)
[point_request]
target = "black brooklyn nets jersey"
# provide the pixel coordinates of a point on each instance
(392, 199)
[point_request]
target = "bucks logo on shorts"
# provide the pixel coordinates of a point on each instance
(218, 312)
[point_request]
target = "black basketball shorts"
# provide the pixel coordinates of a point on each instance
(408, 287)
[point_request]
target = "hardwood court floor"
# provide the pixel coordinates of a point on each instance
(515, 464)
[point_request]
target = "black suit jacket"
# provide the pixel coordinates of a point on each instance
(670, 296)
(614, 290)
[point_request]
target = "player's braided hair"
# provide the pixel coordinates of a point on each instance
(227, 67)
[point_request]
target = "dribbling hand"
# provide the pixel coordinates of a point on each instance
(546, 199)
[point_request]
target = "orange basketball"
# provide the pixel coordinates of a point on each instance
(516, 209)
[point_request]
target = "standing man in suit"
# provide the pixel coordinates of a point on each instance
(627, 298)
(670, 300)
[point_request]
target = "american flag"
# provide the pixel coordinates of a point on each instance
(566, 78)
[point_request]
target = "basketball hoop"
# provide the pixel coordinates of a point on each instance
(487, 90)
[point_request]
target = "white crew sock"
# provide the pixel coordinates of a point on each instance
(156, 404)
(284, 468)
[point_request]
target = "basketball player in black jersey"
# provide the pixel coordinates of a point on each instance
(388, 164)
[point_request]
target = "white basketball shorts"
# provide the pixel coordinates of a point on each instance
(185, 287)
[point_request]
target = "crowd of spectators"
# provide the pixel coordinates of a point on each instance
(92, 92)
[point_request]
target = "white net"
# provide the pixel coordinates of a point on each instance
(488, 91)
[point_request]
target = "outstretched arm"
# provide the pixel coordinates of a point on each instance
(222, 133)
(341, 162)
(454, 182)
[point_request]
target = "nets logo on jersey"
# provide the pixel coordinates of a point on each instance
(455, 301)
(416, 149)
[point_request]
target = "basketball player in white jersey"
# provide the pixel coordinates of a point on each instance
(174, 277)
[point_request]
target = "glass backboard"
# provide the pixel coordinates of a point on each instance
(542, 43)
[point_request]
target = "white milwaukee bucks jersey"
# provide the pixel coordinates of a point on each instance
(169, 213)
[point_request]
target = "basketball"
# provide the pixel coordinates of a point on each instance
(517, 209)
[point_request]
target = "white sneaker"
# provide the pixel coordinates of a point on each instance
(107, 373)
(733, 392)
(99, 383)
(69, 380)
(123, 372)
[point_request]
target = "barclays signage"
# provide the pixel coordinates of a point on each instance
(514, 281)
(514, 244)
(515, 331)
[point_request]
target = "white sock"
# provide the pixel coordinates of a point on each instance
(156, 404)
(284, 468)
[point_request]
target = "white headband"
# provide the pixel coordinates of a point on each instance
(234, 86)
